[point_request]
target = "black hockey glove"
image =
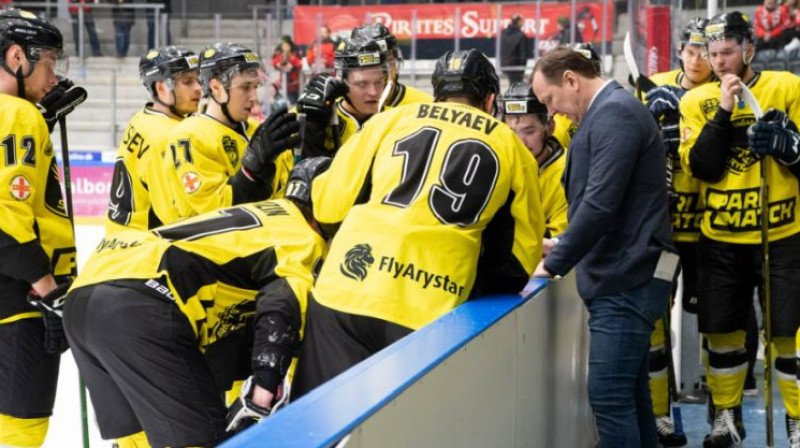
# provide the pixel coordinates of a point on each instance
(664, 101)
(319, 95)
(60, 101)
(243, 413)
(278, 133)
(775, 135)
(55, 341)
(317, 102)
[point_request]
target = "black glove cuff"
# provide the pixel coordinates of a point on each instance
(248, 188)
(267, 379)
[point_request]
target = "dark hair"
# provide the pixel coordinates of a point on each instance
(553, 65)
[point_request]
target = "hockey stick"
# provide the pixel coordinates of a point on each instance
(748, 98)
(642, 84)
(62, 127)
(674, 396)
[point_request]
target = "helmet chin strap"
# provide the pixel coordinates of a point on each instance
(19, 77)
(171, 107)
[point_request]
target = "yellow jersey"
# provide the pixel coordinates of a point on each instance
(733, 203)
(36, 235)
(404, 94)
(686, 213)
(564, 130)
(554, 200)
(205, 153)
(212, 266)
(427, 196)
(137, 176)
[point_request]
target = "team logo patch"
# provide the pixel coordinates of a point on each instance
(191, 182)
(455, 64)
(356, 262)
(210, 52)
(516, 107)
(233, 318)
(151, 55)
(192, 62)
(20, 188)
(709, 107)
(231, 149)
(697, 38)
(369, 59)
(251, 57)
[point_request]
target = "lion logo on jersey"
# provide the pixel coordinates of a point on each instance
(230, 147)
(356, 262)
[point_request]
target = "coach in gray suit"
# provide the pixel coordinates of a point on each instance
(618, 237)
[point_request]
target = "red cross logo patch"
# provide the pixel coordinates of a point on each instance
(20, 188)
(191, 182)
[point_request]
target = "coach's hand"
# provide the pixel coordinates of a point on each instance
(775, 135)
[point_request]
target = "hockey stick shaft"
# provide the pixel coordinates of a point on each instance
(674, 396)
(765, 279)
(62, 126)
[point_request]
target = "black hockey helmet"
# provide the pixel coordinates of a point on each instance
(588, 51)
(163, 63)
(223, 61)
(298, 186)
(24, 28)
(357, 52)
(464, 73)
(730, 24)
(519, 99)
(694, 32)
(378, 33)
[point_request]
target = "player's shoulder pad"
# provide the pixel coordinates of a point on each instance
(25, 112)
(669, 78)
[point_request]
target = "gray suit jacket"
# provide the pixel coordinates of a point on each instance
(615, 182)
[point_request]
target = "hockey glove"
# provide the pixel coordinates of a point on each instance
(60, 101)
(278, 133)
(243, 413)
(55, 341)
(664, 101)
(319, 95)
(775, 135)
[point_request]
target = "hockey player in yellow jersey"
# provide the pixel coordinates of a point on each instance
(715, 148)
(148, 304)
(685, 208)
(463, 218)
(400, 93)
(218, 160)
(523, 113)
(37, 248)
(140, 191)
(337, 107)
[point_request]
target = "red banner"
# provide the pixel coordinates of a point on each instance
(658, 39)
(440, 21)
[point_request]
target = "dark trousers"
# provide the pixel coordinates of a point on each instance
(151, 30)
(123, 38)
(142, 365)
(335, 341)
(619, 392)
(88, 22)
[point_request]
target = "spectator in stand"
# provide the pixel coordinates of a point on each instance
(794, 15)
(773, 25)
(327, 48)
(88, 21)
(151, 23)
(123, 22)
(513, 50)
(287, 61)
